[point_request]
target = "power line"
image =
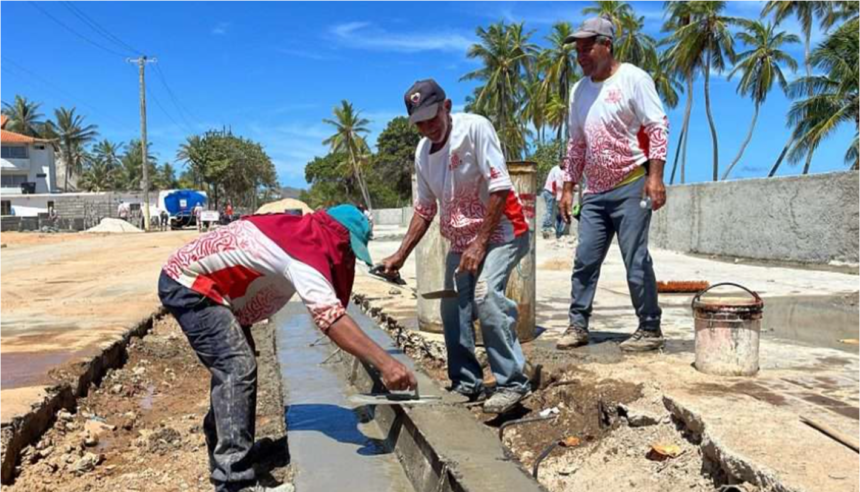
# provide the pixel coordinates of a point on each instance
(76, 33)
(17, 68)
(179, 107)
(166, 113)
(99, 28)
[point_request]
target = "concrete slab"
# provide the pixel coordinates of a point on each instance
(331, 446)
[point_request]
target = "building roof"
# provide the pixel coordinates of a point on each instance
(12, 137)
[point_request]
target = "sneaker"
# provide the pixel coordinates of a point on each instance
(468, 398)
(643, 341)
(546, 234)
(573, 337)
(503, 401)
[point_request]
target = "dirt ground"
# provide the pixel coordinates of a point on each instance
(141, 428)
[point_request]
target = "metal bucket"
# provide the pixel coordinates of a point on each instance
(727, 333)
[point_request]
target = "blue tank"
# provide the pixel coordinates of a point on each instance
(180, 205)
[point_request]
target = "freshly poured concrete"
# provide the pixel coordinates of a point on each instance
(330, 448)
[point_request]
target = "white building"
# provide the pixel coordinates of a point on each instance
(27, 164)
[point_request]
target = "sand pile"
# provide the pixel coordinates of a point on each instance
(286, 204)
(113, 225)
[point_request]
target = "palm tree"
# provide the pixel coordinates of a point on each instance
(130, 172)
(706, 42)
(508, 64)
(631, 44)
(534, 106)
(680, 14)
(805, 12)
(24, 117)
(760, 66)
(834, 99)
(102, 165)
(619, 13)
(72, 135)
(560, 76)
(348, 140)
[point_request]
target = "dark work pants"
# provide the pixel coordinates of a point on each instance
(227, 351)
(603, 216)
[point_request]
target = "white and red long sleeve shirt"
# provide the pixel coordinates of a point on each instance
(460, 177)
(255, 265)
(615, 126)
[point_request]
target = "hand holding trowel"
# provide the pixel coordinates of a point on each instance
(379, 272)
(393, 398)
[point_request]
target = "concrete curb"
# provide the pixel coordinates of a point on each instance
(441, 446)
(737, 466)
(28, 429)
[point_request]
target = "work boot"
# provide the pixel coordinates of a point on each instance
(474, 397)
(573, 337)
(546, 234)
(503, 401)
(643, 341)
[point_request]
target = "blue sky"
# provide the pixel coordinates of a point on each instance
(272, 71)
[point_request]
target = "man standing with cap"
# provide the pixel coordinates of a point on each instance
(618, 139)
(459, 164)
(220, 284)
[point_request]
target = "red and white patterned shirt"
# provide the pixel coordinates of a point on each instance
(461, 176)
(255, 265)
(615, 126)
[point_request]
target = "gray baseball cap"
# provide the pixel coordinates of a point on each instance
(423, 100)
(596, 26)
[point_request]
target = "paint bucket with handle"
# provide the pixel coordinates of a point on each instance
(727, 332)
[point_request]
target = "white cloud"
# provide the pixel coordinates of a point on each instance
(220, 29)
(364, 35)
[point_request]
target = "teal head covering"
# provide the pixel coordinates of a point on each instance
(358, 226)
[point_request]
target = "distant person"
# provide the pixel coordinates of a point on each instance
(228, 210)
(198, 214)
(462, 174)
(551, 193)
(165, 219)
(223, 282)
(612, 109)
(123, 210)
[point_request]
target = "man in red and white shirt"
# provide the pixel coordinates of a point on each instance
(462, 175)
(551, 193)
(220, 284)
(618, 139)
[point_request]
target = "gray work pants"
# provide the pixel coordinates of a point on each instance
(605, 215)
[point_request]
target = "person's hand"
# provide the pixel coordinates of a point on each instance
(396, 377)
(391, 265)
(656, 191)
(472, 258)
(565, 204)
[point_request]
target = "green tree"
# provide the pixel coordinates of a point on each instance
(834, 99)
(508, 63)
(349, 141)
(805, 12)
(631, 44)
(394, 162)
(707, 42)
(130, 172)
(760, 69)
(24, 117)
(327, 184)
(101, 167)
(73, 134)
(561, 74)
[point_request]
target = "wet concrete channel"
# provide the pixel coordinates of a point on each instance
(332, 446)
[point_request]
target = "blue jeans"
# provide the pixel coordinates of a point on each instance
(227, 351)
(552, 213)
(604, 215)
(482, 297)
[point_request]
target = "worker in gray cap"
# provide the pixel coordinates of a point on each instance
(462, 174)
(618, 139)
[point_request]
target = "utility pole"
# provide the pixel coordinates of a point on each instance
(141, 62)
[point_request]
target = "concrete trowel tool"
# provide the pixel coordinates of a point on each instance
(443, 293)
(393, 398)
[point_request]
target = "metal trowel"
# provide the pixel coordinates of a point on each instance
(393, 398)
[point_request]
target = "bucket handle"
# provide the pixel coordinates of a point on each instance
(699, 295)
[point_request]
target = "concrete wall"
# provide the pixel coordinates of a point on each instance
(811, 219)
